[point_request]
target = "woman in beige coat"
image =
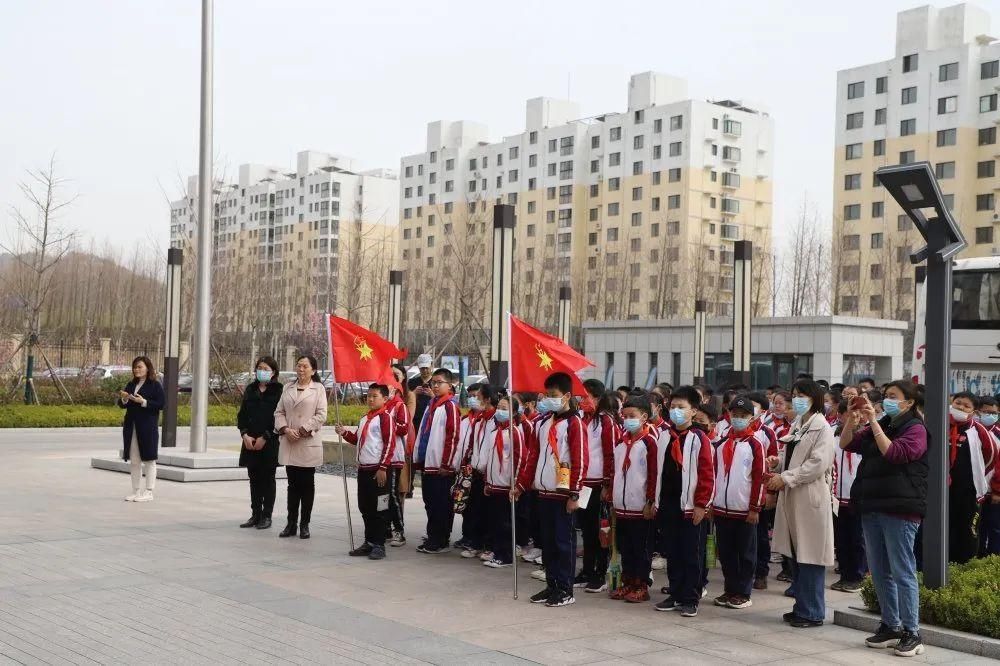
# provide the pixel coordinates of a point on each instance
(297, 420)
(803, 523)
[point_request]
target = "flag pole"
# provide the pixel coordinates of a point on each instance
(336, 415)
(514, 467)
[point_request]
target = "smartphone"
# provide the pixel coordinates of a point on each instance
(858, 402)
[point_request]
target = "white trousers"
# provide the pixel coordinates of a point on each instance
(138, 467)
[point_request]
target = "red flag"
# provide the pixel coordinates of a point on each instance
(360, 355)
(535, 355)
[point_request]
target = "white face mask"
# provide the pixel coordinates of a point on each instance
(958, 414)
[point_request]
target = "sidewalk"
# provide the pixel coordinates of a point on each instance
(87, 578)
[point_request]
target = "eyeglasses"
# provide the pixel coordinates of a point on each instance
(438, 382)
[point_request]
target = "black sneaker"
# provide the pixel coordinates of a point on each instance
(543, 596)
(851, 586)
(789, 617)
(668, 604)
(377, 553)
(596, 586)
(884, 637)
(803, 623)
(361, 551)
(560, 599)
(909, 645)
(581, 580)
(430, 549)
(689, 610)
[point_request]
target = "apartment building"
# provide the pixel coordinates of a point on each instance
(291, 244)
(936, 100)
(637, 211)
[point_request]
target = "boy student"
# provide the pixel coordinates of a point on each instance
(503, 453)
(631, 484)
(437, 440)
(686, 488)
(971, 453)
(848, 535)
(602, 432)
(532, 551)
(483, 435)
(396, 408)
(375, 441)
(482, 403)
(738, 501)
(556, 462)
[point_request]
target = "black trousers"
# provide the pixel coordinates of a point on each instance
(558, 553)
(685, 552)
(262, 489)
(498, 506)
(736, 545)
(301, 492)
(395, 502)
(475, 531)
(634, 537)
(522, 521)
(369, 496)
(764, 527)
(849, 544)
(595, 558)
(963, 541)
(438, 505)
(534, 518)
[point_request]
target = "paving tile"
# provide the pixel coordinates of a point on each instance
(620, 644)
(680, 657)
(799, 643)
(562, 652)
(741, 651)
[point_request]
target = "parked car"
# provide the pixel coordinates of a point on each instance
(66, 373)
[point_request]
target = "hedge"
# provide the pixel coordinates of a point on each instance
(969, 602)
(76, 416)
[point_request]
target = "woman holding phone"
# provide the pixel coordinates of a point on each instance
(142, 399)
(259, 453)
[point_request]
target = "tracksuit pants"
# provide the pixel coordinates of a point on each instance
(736, 545)
(634, 537)
(439, 508)
(595, 558)
(685, 552)
(764, 527)
(558, 553)
(497, 508)
(475, 532)
(370, 497)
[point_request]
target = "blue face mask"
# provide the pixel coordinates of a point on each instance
(740, 424)
(474, 403)
(801, 405)
(264, 376)
(546, 405)
(988, 420)
(891, 407)
(632, 425)
(503, 416)
(678, 416)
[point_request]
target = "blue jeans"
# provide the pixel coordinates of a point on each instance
(809, 589)
(889, 546)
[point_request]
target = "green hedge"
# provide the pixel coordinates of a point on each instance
(969, 602)
(75, 416)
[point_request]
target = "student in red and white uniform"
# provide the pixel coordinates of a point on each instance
(988, 415)
(531, 549)
(657, 414)
(503, 454)
(560, 442)
(632, 481)
(437, 440)
(782, 415)
(970, 452)
(848, 535)
(602, 432)
(482, 406)
(738, 501)
(687, 484)
(402, 427)
(375, 441)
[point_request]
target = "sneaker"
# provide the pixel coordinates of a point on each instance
(803, 623)
(581, 580)
(131, 498)
(538, 574)
(530, 554)
(518, 551)
(667, 604)
(560, 599)
(659, 563)
(494, 563)
(430, 549)
(784, 578)
(789, 617)
(838, 586)
(469, 553)
(594, 587)
(884, 637)
(463, 544)
(486, 555)
(363, 550)
(144, 496)
(398, 539)
(722, 600)
(538, 561)
(378, 553)
(760, 583)
(543, 596)
(689, 610)
(909, 645)
(851, 586)
(637, 595)
(704, 592)
(738, 601)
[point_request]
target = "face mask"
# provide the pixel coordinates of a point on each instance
(801, 405)
(826, 408)
(678, 416)
(632, 425)
(891, 407)
(503, 416)
(264, 376)
(474, 404)
(740, 424)
(988, 420)
(958, 414)
(546, 405)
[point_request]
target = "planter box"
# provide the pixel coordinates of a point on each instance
(960, 641)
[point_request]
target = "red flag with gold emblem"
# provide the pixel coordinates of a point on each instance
(360, 355)
(535, 355)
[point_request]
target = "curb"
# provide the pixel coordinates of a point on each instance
(960, 641)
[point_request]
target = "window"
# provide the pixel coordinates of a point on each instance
(673, 228)
(636, 194)
(676, 123)
(851, 242)
(984, 235)
(878, 209)
(907, 157)
(654, 230)
(986, 169)
(855, 120)
(850, 273)
(532, 160)
(612, 235)
(852, 151)
(594, 213)
(730, 179)
(565, 194)
(875, 301)
(515, 151)
(855, 90)
(472, 185)
(673, 201)
(852, 212)
(910, 63)
(614, 184)
(878, 147)
(880, 116)
(512, 176)
(566, 170)
(448, 206)
(637, 142)
(552, 145)
(592, 238)
(550, 193)
(636, 168)
(673, 175)
(877, 241)
(947, 137)
(449, 164)
(988, 103)
(852, 181)
(636, 219)
(715, 123)
(472, 164)
(989, 70)
(566, 145)
(614, 159)
(449, 186)
(908, 127)
(881, 85)
(848, 303)
(615, 134)
(657, 125)
(948, 72)
(949, 201)
(531, 231)
(730, 205)
(595, 190)
(655, 203)
(944, 170)
(612, 209)
(731, 153)
(947, 104)
(407, 193)
(909, 95)
(675, 149)
(657, 152)
(595, 166)
(638, 117)
(903, 223)
(984, 201)
(656, 177)
(987, 136)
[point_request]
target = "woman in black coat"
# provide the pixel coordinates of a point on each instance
(259, 453)
(142, 401)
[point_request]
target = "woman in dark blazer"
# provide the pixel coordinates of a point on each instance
(142, 401)
(259, 453)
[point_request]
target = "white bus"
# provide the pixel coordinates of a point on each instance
(975, 327)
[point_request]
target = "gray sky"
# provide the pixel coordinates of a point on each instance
(112, 86)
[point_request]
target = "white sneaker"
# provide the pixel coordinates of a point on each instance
(494, 563)
(486, 555)
(517, 551)
(144, 496)
(538, 574)
(131, 498)
(469, 553)
(659, 563)
(531, 554)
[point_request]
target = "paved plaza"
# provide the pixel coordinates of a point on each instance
(87, 578)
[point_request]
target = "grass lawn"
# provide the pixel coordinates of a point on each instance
(89, 416)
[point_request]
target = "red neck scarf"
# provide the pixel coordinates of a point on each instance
(955, 431)
(729, 448)
(676, 451)
(372, 415)
(498, 441)
(630, 440)
(429, 418)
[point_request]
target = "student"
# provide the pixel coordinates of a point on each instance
(436, 444)
(558, 450)
(848, 535)
(631, 483)
(723, 424)
(830, 403)
(398, 407)
(529, 418)
(989, 520)
(782, 417)
(623, 393)
(970, 452)
(705, 419)
(686, 487)
(656, 417)
(602, 433)
(781, 402)
(866, 384)
(738, 502)
(375, 439)
(482, 405)
(503, 453)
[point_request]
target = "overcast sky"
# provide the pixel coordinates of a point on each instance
(112, 86)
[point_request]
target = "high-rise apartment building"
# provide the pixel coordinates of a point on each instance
(291, 244)
(636, 211)
(936, 100)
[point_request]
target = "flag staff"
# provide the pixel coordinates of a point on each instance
(336, 415)
(514, 464)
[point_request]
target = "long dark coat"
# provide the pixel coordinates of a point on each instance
(145, 421)
(256, 418)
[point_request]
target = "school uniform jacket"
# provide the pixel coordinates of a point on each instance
(692, 450)
(602, 433)
(483, 432)
(635, 472)
(974, 435)
(845, 470)
(462, 451)
(437, 438)
(780, 428)
(558, 440)
(400, 419)
(375, 440)
(503, 456)
(768, 419)
(739, 474)
(722, 427)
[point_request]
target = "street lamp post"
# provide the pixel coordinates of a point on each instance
(916, 190)
(565, 294)
(699, 342)
(395, 305)
(171, 365)
(742, 270)
(503, 281)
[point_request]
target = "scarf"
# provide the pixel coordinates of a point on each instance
(498, 441)
(372, 414)
(425, 425)
(729, 447)
(676, 451)
(630, 440)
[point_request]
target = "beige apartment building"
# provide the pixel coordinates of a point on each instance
(936, 100)
(637, 211)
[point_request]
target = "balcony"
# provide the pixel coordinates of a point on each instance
(730, 180)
